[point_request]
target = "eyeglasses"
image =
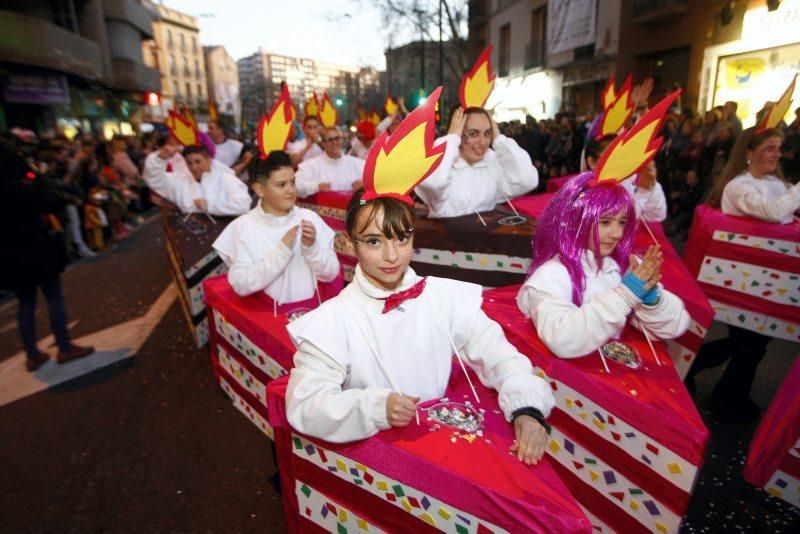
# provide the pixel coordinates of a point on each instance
(336, 139)
(474, 134)
(379, 243)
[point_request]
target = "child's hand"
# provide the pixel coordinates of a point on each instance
(167, 151)
(531, 438)
(457, 122)
(356, 184)
(649, 269)
(201, 204)
(324, 187)
(309, 235)
(289, 236)
(400, 409)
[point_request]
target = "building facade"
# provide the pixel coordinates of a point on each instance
(222, 75)
(178, 55)
(261, 75)
(81, 66)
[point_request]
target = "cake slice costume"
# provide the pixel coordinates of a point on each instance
(369, 342)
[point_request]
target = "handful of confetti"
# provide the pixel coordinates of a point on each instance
(621, 353)
(461, 417)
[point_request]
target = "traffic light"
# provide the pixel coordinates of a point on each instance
(421, 97)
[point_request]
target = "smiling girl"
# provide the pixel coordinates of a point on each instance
(479, 169)
(277, 247)
(367, 357)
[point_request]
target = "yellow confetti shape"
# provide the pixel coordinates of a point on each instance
(406, 505)
(341, 465)
(540, 373)
(745, 274)
(743, 286)
(790, 329)
(674, 468)
(594, 475)
(599, 424)
(781, 291)
(428, 518)
(342, 515)
(555, 447)
(362, 524)
(484, 263)
(661, 527)
(382, 485)
(362, 467)
(582, 415)
(634, 505)
(569, 402)
(444, 514)
(775, 492)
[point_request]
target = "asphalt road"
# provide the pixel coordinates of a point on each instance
(150, 443)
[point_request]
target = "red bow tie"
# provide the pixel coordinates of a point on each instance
(396, 299)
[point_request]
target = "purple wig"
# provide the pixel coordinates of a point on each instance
(206, 141)
(568, 223)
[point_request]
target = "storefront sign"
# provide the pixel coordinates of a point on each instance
(570, 24)
(761, 22)
(35, 89)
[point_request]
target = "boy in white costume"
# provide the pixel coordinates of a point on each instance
(577, 295)
(366, 357)
(277, 247)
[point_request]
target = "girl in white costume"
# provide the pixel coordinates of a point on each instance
(277, 247)
(366, 357)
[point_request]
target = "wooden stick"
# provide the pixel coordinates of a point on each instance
(603, 359)
(650, 343)
(508, 201)
(649, 231)
(210, 218)
(458, 354)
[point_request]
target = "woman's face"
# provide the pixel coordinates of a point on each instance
(477, 138)
(278, 195)
(764, 158)
(383, 260)
(610, 230)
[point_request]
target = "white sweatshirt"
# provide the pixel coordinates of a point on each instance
(340, 173)
(337, 390)
(769, 198)
(228, 151)
(570, 331)
(651, 205)
(457, 188)
(258, 260)
(298, 146)
(224, 193)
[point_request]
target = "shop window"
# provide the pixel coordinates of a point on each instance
(505, 50)
(536, 50)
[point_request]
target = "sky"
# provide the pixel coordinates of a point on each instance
(341, 32)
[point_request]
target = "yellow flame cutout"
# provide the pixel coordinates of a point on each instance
(327, 115)
(390, 106)
(182, 129)
(776, 113)
(273, 131)
(609, 93)
(375, 118)
(633, 150)
(312, 106)
(477, 84)
(617, 114)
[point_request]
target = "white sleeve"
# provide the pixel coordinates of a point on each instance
(519, 174)
(248, 273)
(435, 189)
(320, 256)
(231, 198)
(668, 319)
(500, 366)
(317, 405)
(652, 203)
(570, 331)
(305, 182)
(749, 200)
(155, 175)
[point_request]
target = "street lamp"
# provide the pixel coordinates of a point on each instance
(339, 102)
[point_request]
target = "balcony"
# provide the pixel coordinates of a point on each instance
(33, 41)
(647, 11)
(134, 76)
(534, 55)
(132, 12)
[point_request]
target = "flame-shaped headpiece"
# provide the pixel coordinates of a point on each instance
(362, 113)
(328, 115)
(213, 113)
(609, 93)
(374, 117)
(273, 129)
(477, 84)
(311, 108)
(183, 129)
(776, 113)
(397, 163)
(631, 151)
(390, 106)
(618, 112)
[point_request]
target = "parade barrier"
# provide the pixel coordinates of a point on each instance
(773, 461)
(192, 259)
(249, 344)
(749, 269)
(459, 247)
(419, 478)
(676, 278)
(628, 443)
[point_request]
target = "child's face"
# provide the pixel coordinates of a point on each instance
(278, 194)
(609, 230)
(383, 260)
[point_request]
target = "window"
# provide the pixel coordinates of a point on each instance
(188, 90)
(197, 68)
(505, 50)
(535, 56)
(199, 91)
(169, 37)
(177, 88)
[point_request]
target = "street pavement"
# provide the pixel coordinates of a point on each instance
(140, 437)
